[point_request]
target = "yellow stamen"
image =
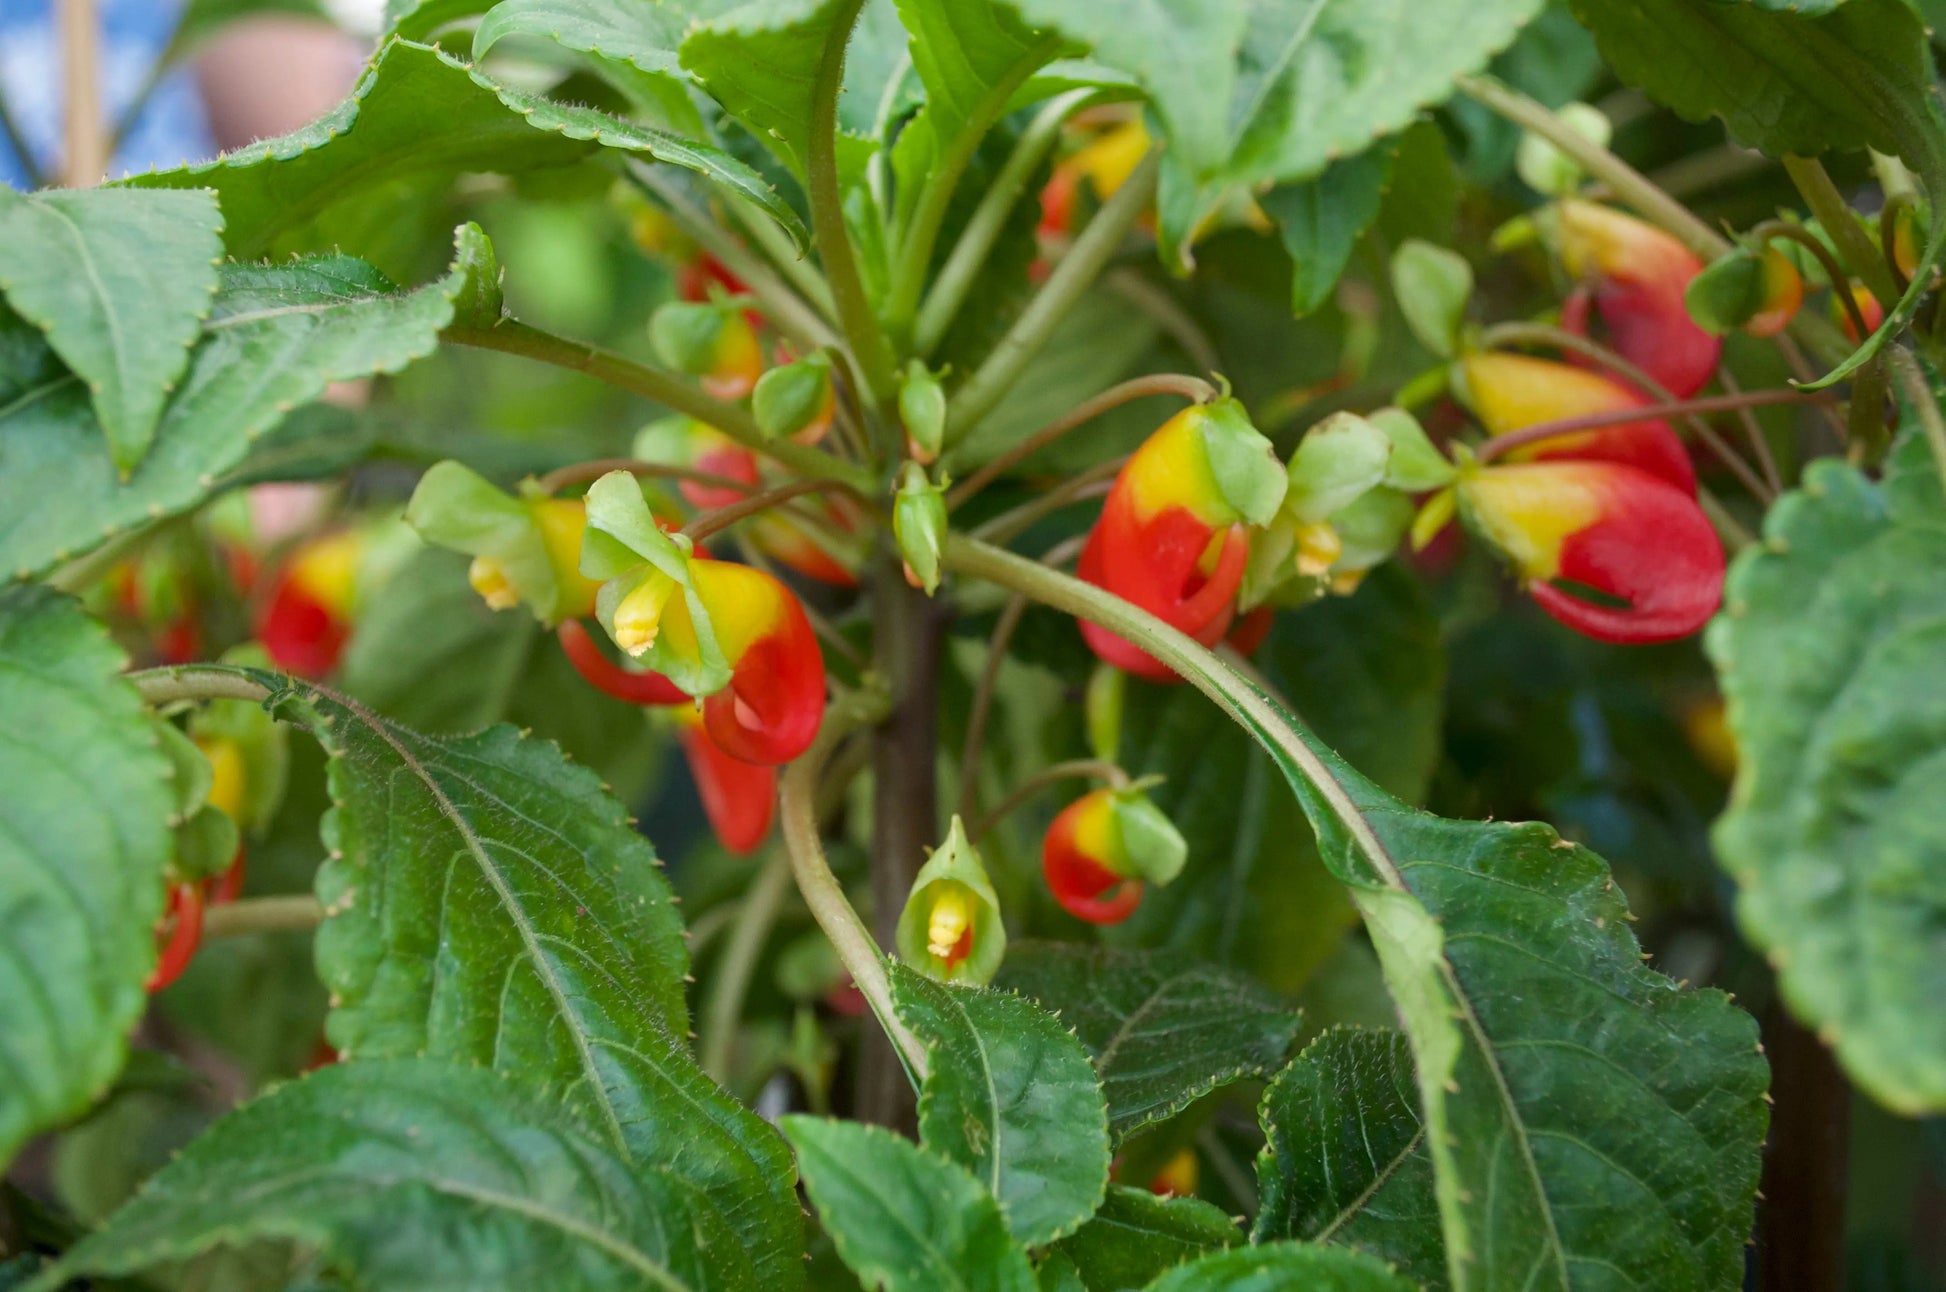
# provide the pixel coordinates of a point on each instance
(489, 579)
(638, 617)
(1318, 547)
(951, 914)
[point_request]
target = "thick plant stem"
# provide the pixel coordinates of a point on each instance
(290, 913)
(1064, 287)
(797, 810)
(510, 336)
(1162, 383)
(731, 985)
(86, 158)
(1628, 184)
(1841, 226)
(905, 811)
(969, 255)
(855, 314)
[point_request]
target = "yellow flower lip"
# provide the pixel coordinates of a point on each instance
(638, 616)
(489, 579)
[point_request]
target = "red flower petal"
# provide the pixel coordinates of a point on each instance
(739, 798)
(1085, 888)
(596, 669)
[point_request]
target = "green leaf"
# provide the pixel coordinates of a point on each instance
(411, 1174)
(1259, 94)
(1858, 76)
(904, 1219)
(761, 63)
(1432, 284)
(1321, 220)
(971, 55)
(639, 36)
(85, 803)
(278, 335)
(1283, 1265)
(1136, 1236)
(488, 903)
(123, 323)
(1010, 1096)
(1346, 1159)
(1830, 636)
(418, 111)
(1163, 1029)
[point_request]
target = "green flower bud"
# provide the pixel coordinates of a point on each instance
(1151, 846)
(951, 928)
(1544, 167)
(789, 399)
(685, 334)
(919, 524)
(1244, 464)
(922, 407)
(205, 836)
(1432, 285)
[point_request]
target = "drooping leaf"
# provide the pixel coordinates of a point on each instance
(1805, 82)
(1321, 219)
(1137, 1236)
(1832, 630)
(1346, 1161)
(1163, 1029)
(123, 323)
(1011, 1097)
(903, 1218)
(488, 903)
(420, 111)
(1251, 94)
(1283, 1265)
(278, 335)
(635, 42)
(1584, 1113)
(84, 837)
(494, 1189)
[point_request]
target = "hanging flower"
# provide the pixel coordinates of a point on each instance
(950, 928)
(712, 342)
(728, 635)
(1104, 162)
(525, 550)
(307, 619)
(1174, 535)
(1634, 275)
(1511, 392)
(1758, 291)
(797, 400)
(1104, 848)
(1608, 550)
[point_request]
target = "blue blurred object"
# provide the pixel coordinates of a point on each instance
(171, 128)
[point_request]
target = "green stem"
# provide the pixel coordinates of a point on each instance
(1076, 769)
(1841, 226)
(510, 336)
(936, 194)
(739, 965)
(783, 253)
(983, 693)
(1008, 525)
(1728, 528)
(1194, 389)
(714, 522)
(826, 898)
(588, 472)
(1064, 287)
(968, 258)
(1628, 184)
(1163, 310)
(178, 682)
(1919, 392)
(796, 319)
(855, 314)
(292, 913)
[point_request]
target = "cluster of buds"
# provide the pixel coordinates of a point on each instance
(726, 646)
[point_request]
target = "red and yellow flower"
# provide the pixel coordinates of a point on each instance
(1103, 850)
(713, 342)
(525, 549)
(1510, 392)
(1633, 275)
(307, 619)
(1174, 534)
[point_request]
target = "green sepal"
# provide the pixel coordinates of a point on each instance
(455, 507)
(1728, 293)
(1337, 461)
(787, 398)
(479, 303)
(1152, 847)
(919, 524)
(1416, 465)
(1432, 285)
(1545, 168)
(190, 774)
(953, 863)
(685, 333)
(705, 674)
(206, 844)
(1103, 704)
(1243, 462)
(922, 407)
(263, 742)
(622, 533)
(1372, 528)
